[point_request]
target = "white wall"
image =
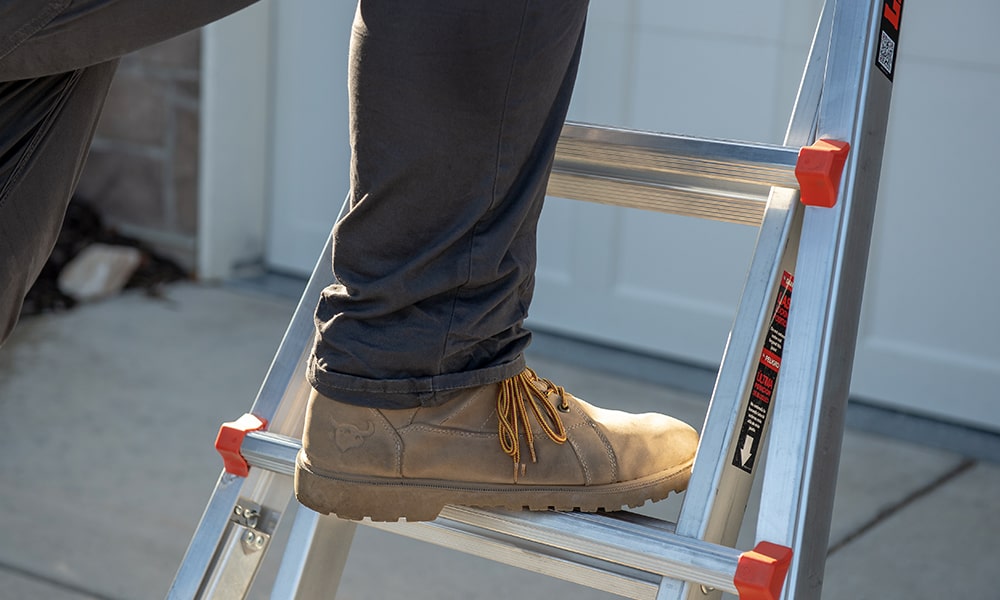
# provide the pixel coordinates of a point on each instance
(930, 330)
(235, 154)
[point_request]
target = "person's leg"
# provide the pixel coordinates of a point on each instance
(46, 125)
(456, 107)
(49, 37)
(421, 394)
(57, 59)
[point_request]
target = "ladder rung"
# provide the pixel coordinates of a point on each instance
(454, 530)
(600, 545)
(271, 451)
(713, 179)
(600, 542)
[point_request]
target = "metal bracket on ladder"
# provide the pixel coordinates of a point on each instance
(832, 153)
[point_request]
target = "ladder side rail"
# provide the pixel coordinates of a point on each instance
(315, 556)
(717, 494)
(240, 552)
(799, 483)
(281, 402)
(757, 300)
(715, 501)
(212, 528)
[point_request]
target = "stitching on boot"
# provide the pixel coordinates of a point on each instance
(450, 431)
(588, 476)
(398, 440)
(608, 448)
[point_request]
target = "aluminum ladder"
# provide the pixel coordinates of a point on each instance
(830, 161)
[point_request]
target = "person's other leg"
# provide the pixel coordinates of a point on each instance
(56, 36)
(421, 394)
(57, 60)
(46, 125)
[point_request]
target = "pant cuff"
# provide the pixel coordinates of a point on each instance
(406, 393)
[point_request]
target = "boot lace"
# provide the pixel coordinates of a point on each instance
(517, 394)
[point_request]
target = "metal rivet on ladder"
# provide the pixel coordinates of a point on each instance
(760, 573)
(230, 439)
(818, 170)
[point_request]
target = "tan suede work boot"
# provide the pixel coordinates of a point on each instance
(522, 443)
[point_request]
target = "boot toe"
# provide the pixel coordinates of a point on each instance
(645, 444)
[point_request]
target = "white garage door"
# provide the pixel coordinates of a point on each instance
(309, 177)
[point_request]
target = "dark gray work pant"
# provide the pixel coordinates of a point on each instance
(456, 107)
(57, 59)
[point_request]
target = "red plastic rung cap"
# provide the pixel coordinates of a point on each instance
(760, 573)
(818, 170)
(230, 439)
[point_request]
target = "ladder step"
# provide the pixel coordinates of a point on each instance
(591, 549)
(714, 179)
(271, 451)
(601, 544)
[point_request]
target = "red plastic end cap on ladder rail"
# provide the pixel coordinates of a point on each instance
(230, 440)
(760, 573)
(818, 170)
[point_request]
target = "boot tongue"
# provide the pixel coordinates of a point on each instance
(541, 385)
(549, 391)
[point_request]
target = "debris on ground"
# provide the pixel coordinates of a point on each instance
(98, 271)
(92, 261)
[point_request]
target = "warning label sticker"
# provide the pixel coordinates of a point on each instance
(762, 390)
(885, 58)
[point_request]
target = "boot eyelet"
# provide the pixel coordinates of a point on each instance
(563, 406)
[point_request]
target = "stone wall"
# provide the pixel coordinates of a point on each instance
(142, 174)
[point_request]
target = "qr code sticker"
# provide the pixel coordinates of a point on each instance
(886, 52)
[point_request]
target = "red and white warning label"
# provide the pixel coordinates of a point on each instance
(762, 390)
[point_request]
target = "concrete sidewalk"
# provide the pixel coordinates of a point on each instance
(108, 413)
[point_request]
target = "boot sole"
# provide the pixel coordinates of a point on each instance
(385, 499)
